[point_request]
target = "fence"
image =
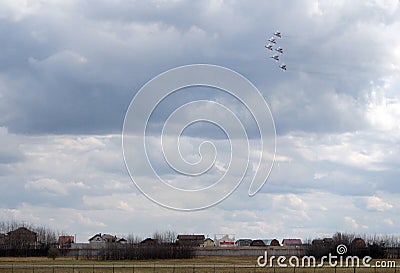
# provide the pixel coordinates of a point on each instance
(250, 251)
(182, 268)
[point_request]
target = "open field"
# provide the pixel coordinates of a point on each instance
(199, 264)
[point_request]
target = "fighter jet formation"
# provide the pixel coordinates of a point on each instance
(270, 46)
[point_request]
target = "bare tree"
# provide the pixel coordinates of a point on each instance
(343, 238)
(166, 237)
(133, 239)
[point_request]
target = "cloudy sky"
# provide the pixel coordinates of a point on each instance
(69, 70)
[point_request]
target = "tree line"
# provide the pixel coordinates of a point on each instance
(45, 243)
(44, 239)
(375, 246)
(164, 245)
(45, 235)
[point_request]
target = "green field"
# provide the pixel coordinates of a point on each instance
(199, 264)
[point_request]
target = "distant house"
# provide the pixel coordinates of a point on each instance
(122, 241)
(317, 242)
(192, 240)
(109, 238)
(22, 237)
(265, 242)
(225, 241)
(208, 242)
(274, 242)
(322, 242)
(258, 242)
(65, 240)
(243, 242)
(291, 242)
(149, 242)
(358, 243)
(328, 241)
(97, 239)
(105, 238)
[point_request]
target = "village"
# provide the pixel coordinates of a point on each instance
(25, 242)
(23, 237)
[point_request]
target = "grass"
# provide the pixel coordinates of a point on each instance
(218, 264)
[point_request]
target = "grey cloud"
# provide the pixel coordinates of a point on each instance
(82, 73)
(10, 151)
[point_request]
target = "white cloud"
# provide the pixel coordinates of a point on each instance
(52, 186)
(319, 175)
(383, 110)
(376, 203)
(351, 222)
(390, 6)
(17, 10)
(88, 221)
(355, 149)
(389, 221)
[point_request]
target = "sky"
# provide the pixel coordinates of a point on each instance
(70, 69)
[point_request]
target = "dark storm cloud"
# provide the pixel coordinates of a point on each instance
(76, 76)
(47, 85)
(79, 74)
